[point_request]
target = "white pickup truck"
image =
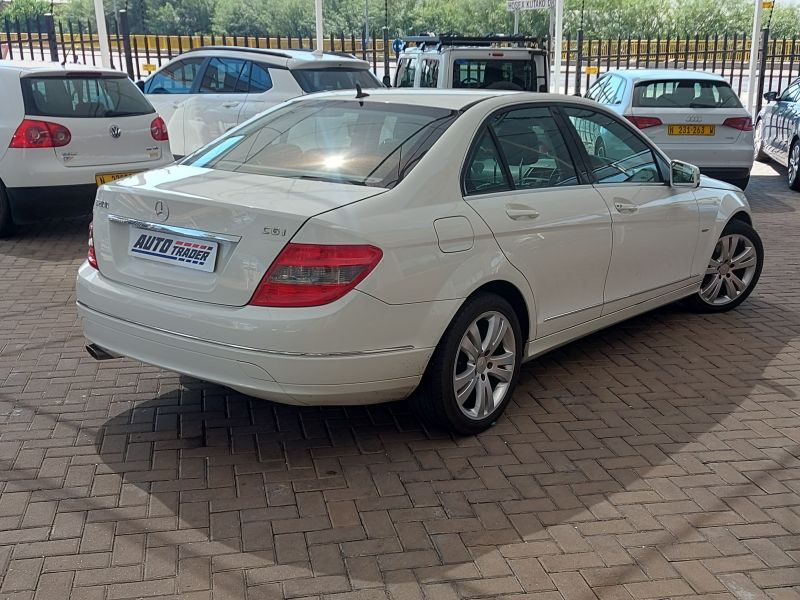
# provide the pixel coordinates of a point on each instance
(496, 62)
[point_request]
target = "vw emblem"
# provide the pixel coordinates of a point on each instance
(115, 131)
(694, 119)
(161, 210)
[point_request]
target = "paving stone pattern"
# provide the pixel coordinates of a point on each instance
(657, 459)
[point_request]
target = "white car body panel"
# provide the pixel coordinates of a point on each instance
(378, 339)
(196, 119)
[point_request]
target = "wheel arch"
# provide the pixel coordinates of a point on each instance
(511, 294)
(742, 216)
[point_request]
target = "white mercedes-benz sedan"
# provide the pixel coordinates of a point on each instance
(353, 248)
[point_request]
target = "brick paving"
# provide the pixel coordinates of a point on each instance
(656, 459)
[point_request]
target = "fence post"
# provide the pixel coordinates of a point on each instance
(125, 32)
(762, 69)
(386, 77)
(50, 26)
(578, 65)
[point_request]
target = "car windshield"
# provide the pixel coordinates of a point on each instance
(508, 74)
(685, 93)
(344, 141)
(83, 96)
(334, 78)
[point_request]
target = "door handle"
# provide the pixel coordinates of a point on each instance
(230, 104)
(625, 207)
(521, 213)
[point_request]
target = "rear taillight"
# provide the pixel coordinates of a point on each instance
(313, 274)
(740, 123)
(158, 129)
(40, 134)
(91, 257)
(644, 122)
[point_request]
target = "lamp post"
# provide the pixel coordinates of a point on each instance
(320, 35)
(102, 33)
(755, 41)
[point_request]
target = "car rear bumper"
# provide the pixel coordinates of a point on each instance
(29, 204)
(724, 157)
(351, 375)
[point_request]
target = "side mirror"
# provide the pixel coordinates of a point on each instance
(140, 84)
(578, 94)
(770, 96)
(387, 81)
(682, 174)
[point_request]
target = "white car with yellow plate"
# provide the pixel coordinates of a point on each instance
(64, 130)
(692, 116)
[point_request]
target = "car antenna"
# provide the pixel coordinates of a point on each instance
(360, 93)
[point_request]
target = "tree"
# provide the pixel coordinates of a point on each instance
(238, 17)
(23, 10)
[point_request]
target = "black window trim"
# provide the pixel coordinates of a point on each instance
(574, 151)
(658, 157)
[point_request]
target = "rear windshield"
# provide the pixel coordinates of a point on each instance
(685, 93)
(498, 74)
(374, 144)
(328, 79)
(83, 97)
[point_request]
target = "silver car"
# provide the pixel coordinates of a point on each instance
(777, 131)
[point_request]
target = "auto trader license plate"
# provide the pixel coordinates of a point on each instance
(172, 249)
(691, 129)
(102, 178)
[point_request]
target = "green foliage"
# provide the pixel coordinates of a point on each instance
(20, 10)
(599, 18)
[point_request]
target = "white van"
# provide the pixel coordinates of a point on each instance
(503, 63)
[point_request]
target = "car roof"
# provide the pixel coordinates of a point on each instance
(290, 57)
(54, 68)
(658, 74)
(434, 49)
(452, 99)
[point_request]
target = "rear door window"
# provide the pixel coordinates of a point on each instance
(509, 74)
(222, 75)
(334, 78)
(430, 73)
(87, 96)
(176, 78)
(406, 70)
(685, 93)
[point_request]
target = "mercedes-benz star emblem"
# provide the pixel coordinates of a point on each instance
(162, 211)
(115, 131)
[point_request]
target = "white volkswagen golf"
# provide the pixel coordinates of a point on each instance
(358, 248)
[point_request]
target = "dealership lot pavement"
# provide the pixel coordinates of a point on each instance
(657, 459)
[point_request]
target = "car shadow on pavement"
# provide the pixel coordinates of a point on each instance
(761, 192)
(623, 432)
(51, 241)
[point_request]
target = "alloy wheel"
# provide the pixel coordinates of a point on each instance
(484, 365)
(794, 163)
(730, 270)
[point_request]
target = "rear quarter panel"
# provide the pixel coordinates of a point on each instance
(12, 112)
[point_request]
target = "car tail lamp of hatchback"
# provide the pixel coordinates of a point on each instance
(91, 257)
(740, 123)
(644, 122)
(312, 274)
(158, 129)
(40, 134)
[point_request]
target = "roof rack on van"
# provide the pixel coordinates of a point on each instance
(439, 41)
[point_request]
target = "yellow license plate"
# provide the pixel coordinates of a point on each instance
(691, 129)
(102, 178)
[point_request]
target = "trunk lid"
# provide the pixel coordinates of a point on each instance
(686, 120)
(108, 117)
(246, 218)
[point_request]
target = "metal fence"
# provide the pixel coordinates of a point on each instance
(583, 59)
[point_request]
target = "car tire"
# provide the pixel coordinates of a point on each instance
(738, 256)
(741, 182)
(7, 227)
(464, 389)
(758, 143)
(793, 167)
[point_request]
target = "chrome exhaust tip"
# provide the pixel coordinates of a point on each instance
(98, 353)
